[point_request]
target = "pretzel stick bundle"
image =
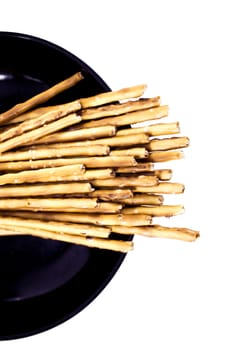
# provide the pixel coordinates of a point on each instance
(80, 171)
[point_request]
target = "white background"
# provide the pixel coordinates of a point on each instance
(167, 294)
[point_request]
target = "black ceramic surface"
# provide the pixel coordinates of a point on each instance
(42, 282)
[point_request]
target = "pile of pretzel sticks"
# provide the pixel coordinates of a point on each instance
(86, 172)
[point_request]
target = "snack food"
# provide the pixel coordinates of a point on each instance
(85, 162)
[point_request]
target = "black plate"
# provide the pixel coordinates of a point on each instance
(42, 282)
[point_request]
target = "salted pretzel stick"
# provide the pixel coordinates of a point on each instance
(102, 207)
(45, 189)
(162, 188)
(168, 144)
(44, 118)
(31, 135)
(121, 108)
(163, 174)
(42, 175)
(119, 141)
(159, 210)
(42, 153)
(111, 195)
(48, 203)
(89, 162)
(158, 231)
(56, 226)
(139, 168)
(77, 135)
(129, 181)
(40, 98)
(142, 199)
(137, 152)
(92, 242)
(153, 130)
(129, 118)
(85, 218)
(165, 156)
(113, 96)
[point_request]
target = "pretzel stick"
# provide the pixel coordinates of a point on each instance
(139, 152)
(43, 153)
(44, 118)
(29, 136)
(130, 181)
(160, 210)
(152, 130)
(79, 134)
(48, 203)
(165, 156)
(163, 174)
(45, 189)
(91, 175)
(42, 175)
(95, 219)
(113, 96)
(111, 195)
(56, 174)
(144, 199)
(40, 98)
(119, 141)
(90, 162)
(121, 108)
(158, 231)
(168, 144)
(92, 242)
(102, 207)
(162, 188)
(56, 226)
(32, 114)
(130, 118)
(139, 168)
